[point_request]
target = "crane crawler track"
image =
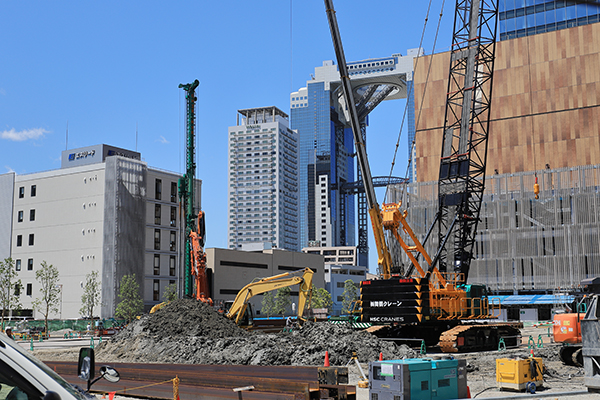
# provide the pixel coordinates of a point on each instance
(479, 337)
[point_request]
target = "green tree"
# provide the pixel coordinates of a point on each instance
(49, 299)
(321, 298)
(268, 304)
(170, 293)
(91, 296)
(283, 299)
(349, 295)
(131, 304)
(10, 287)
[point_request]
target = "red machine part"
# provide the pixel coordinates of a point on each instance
(198, 257)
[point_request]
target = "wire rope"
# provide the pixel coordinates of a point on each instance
(411, 90)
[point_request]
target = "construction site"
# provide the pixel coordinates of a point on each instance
(488, 274)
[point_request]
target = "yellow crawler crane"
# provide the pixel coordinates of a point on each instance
(240, 310)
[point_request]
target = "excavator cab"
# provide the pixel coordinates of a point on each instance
(247, 319)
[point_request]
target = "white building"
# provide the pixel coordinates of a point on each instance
(104, 210)
(340, 266)
(263, 180)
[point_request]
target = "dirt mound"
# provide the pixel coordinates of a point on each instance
(186, 331)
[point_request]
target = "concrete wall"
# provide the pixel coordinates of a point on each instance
(67, 230)
(7, 184)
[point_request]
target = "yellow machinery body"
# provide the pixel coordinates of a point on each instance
(517, 373)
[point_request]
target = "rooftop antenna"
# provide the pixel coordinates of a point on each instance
(136, 135)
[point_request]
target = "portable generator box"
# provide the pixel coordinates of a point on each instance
(418, 378)
(520, 373)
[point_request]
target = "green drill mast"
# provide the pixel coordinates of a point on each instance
(186, 184)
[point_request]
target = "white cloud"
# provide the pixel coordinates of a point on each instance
(163, 140)
(20, 136)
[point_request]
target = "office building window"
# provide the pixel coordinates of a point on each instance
(156, 264)
(172, 266)
(158, 189)
(29, 289)
(157, 209)
(173, 192)
(22, 192)
(32, 215)
(33, 190)
(20, 216)
(173, 221)
(156, 290)
(19, 240)
(31, 239)
(18, 265)
(30, 264)
(157, 239)
(172, 241)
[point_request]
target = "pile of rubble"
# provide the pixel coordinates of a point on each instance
(186, 331)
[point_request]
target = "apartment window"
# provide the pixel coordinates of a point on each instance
(173, 219)
(22, 192)
(18, 265)
(173, 192)
(19, 240)
(157, 239)
(155, 290)
(20, 216)
(156, 264)
(172, 266)
(17, 289)
(32, 215)
(33, 190)
(29, 289)
(158, 189)
(31, 239)
(172, 241)
(157, 209)
(30, 264)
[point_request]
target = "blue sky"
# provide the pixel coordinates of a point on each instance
(107, 67)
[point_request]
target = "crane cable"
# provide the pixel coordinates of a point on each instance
(536, 186)
(411, 89)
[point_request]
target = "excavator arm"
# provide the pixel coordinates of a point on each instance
(238, 308)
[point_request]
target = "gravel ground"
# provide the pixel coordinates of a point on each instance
(186, 331)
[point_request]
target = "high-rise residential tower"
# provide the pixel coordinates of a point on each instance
(263, 180)
(327, 211)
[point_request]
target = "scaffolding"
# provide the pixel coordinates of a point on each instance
(523, 244)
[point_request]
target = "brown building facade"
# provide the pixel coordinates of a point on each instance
(545, 104)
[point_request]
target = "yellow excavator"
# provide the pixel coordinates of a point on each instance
(240, 309)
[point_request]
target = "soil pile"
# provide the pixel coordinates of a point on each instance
(187, 331)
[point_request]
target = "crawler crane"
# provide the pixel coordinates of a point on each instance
(194, 256)
(433, 302)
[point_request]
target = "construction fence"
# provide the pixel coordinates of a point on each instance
(523, 243)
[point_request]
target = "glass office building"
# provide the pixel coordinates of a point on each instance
(330, 214)
(519, 18)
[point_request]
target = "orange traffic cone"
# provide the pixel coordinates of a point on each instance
(380, 356)
(531, 353)
(468, 392)
(326, 359)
